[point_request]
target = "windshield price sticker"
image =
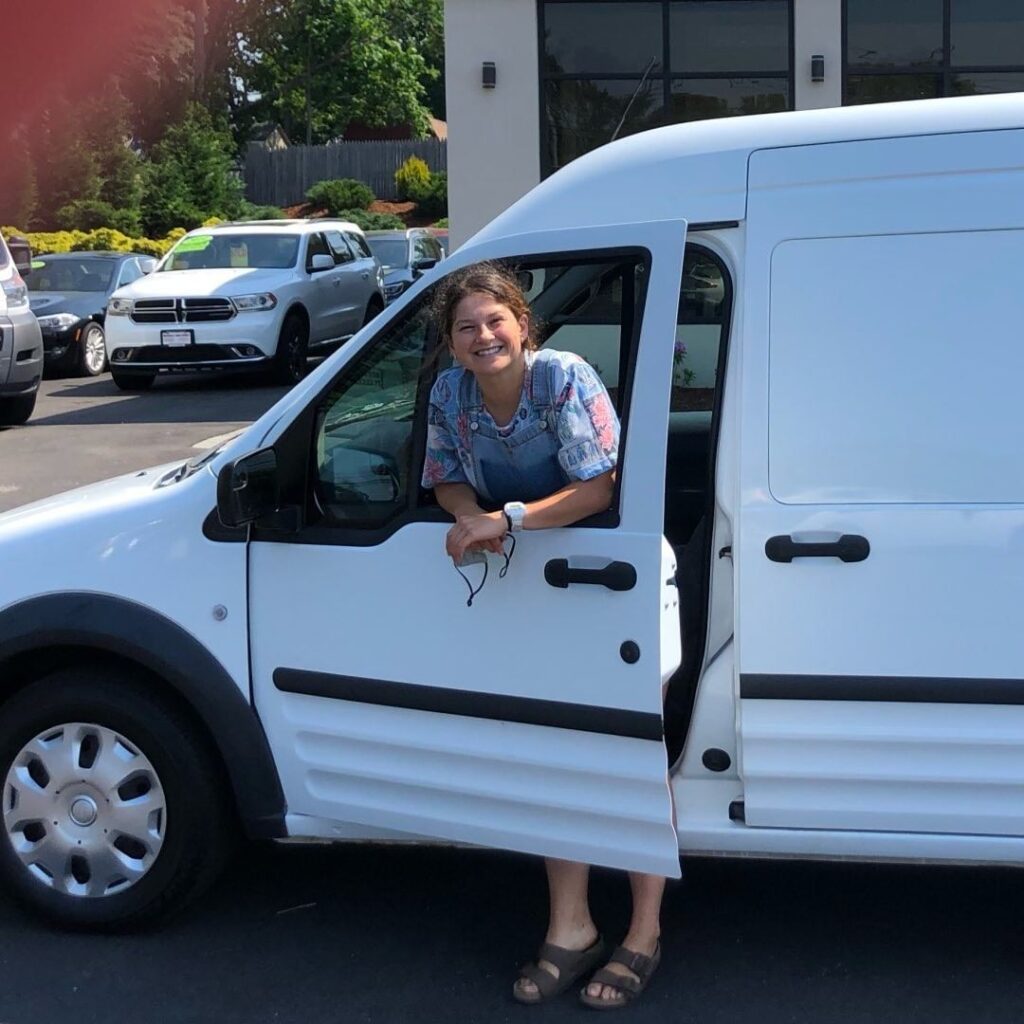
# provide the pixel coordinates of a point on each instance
(197, 243)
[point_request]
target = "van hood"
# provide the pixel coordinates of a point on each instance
(75, 507)
(218, 281)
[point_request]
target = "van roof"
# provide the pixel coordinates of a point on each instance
(698, 171)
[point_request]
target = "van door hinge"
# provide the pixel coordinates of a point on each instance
(726, 552)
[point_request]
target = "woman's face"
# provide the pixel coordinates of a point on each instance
(486, 337)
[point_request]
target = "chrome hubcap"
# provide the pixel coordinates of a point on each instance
(95, 349)
(84, 810)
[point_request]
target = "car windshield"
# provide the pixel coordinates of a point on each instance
(254, 250)
(84, 274)
(392, 252)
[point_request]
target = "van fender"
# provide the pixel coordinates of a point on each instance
(136, 634)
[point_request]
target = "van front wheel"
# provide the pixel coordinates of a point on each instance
(111, 817)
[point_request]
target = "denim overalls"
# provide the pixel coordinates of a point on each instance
(522, 466)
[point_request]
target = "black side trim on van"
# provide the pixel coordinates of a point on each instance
(638, 725)
(890, 689)
(712, 225)
(39, 627)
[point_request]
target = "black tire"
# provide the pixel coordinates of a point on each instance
(292, 355)
(373, 308)
(133, 381)
(17, 410)
(195, 817)
(89, 337)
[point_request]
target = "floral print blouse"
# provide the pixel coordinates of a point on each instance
(581, 414)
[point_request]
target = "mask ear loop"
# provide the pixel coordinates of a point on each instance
(472, 592)
(508, 557)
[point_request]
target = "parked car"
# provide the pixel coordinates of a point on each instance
(265, 634)
(69, 293)
(250, 296)
(21, 346)
(404, 256)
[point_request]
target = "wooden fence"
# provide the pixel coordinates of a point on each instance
(280, 177)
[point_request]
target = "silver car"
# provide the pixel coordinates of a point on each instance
(21, 346)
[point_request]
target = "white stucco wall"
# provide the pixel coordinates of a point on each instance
(493, 134)
(817, 28)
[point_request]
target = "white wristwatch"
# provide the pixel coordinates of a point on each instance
(514, 512)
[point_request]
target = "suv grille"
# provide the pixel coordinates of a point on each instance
(182, 311)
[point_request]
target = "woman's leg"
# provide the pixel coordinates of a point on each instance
(569, 923)
(644, 928)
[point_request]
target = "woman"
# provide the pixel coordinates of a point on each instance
(534, 436)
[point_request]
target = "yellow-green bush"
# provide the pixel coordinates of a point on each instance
(412, 178)
(43, 242)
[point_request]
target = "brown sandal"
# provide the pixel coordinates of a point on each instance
(572, 964)
(642, 966)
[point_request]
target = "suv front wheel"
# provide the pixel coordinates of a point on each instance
(292, 353)
(112, 814)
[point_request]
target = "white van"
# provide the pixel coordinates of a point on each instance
(811, 324)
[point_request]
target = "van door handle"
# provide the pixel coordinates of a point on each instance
(614, 576)
(850, 547)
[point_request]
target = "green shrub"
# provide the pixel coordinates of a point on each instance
(412, 177)
(432, 199)
(371, 221)
(250, 211)
(340, 194)
(89, 214)
(442, 223)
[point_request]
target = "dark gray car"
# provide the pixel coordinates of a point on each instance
(21, 346)
(69, 292)
(403, 256)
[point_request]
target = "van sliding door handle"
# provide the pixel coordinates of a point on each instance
(614, 576)
(850, 547)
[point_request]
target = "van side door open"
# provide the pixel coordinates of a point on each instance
(879, 556)
(531, 720)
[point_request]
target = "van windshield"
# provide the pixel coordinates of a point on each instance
(243, 250)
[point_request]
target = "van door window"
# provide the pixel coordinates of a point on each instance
(371, 427)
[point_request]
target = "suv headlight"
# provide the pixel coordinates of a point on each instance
(257, 303)
(58, 321)
(392, 291)
(120, 307)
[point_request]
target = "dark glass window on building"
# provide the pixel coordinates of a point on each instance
(610, 68)
(920, 49)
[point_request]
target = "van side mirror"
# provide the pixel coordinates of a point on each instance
(248, 488)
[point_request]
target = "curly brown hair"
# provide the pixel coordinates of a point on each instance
(494, 279)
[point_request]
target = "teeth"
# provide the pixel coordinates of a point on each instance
(488, 351)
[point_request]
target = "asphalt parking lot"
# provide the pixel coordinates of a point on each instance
(311, 934)
(85, 429)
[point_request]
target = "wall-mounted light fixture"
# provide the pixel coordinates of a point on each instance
(818, 67)
(489, 77)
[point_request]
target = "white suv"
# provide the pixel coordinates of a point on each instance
(245, 296)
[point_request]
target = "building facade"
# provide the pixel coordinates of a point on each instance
(532, 84)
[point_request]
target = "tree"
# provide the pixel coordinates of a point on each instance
(420, 23)
(190, 174)
(319, 65)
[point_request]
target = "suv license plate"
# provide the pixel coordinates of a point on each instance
(176, 339)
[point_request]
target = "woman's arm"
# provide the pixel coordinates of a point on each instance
(475, 528)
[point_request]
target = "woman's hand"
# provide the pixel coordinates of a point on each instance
(476, 531)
